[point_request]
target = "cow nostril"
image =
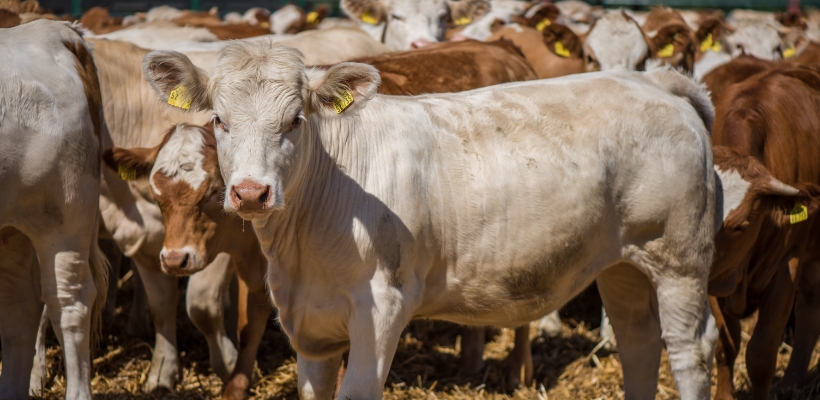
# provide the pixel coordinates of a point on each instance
(263, 199)
(184, 262)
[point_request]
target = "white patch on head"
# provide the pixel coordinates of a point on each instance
(181, 157)
(616, 42)
(502, 10)
(734, 189)
(283, 18)
(652, 34)
(757, 38)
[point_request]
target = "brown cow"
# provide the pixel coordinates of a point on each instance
(8, 18)
(183, 176)
(99, 21)
(737, 70)
(670, 39)
(238, 31)
(199, 19)
(809, 55)
(773, 117)
(553, 52)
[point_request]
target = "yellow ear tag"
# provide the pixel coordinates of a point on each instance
(717, 47)
(799, 213)
(126, 174)
(179, 98)
(790, 52)
(462, 21)
(543, 25)
(312, 17)
(344, 100)
(265, 25)
(706, 44)
(667, 51)
(368, 18)
(561, 50)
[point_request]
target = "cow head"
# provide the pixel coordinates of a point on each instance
(185, 181)
(615, 40)
(670, 39)
(711, 36)
(406, 24)
(751, 199)
(761, 39)
(500, 12)
(264, 103)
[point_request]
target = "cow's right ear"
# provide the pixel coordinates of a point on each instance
(177, 80)
(370, 12)
(464, 12)
(562, 41)
(342, 88)
(131, 164)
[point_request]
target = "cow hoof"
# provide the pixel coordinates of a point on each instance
(156, 383)
(236, 389)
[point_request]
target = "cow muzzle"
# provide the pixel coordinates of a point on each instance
(251, 197)
(179, 262)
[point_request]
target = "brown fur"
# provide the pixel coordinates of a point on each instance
(809, 55)
(792, 20)
(99, 21)
(539, 49)
(237, 31)
(450, 67)
(737, 70)
(713, 24)
(88, 74)
(547, 11)
(8, 18)
(200, 19)
(669, 27)
(773, 117)
(139, 159)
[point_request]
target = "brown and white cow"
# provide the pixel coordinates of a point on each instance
(552, 52)
(670, 39)
(373, 210)
(735, 71)
(712, 48)
(51, 128)
(773, 117)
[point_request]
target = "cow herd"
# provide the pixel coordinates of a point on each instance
(413, 160)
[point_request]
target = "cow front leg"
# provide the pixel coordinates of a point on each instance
(37, 382)
(204, 302)
(761, 352)
(519, 360)
(472, 350)
(256, 309)
(162, 293)
(20, 310)
(727, 349)
(631, 304)
(807, 324)
(317, 378)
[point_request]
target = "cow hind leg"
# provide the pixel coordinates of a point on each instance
(20, 310)
(727, 350)
(257, 308)
(520, 359)
(37, 381)
(807, 326)
(205, 306)
(472, 350)
(632, 307)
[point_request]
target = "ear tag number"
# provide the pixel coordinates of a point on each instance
(543, 24)
(799, 213)
(179, 98)
(561, 50)
(667, 51)
(313, 16)
(368, 18)
(344, 100)
(126, 174)
(790, 52)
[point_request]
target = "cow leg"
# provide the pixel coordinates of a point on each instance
(807, 325)
(317, 378)
(256, 313)
(632, 307)
(688, 329)
(162, 293)
(472, 350)
(69, 292)
(205, 304)
(140, 319)
(37, 381)
(20, 310)
(550, 324)
(726, 351)
(519, 360)
(761, 353)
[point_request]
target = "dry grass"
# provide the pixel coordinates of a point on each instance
(424, 367)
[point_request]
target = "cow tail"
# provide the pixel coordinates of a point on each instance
(687, 88)
(100, 266)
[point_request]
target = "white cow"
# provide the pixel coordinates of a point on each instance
(406, 24)
(615, 40)
(487, 207)
(51, 122)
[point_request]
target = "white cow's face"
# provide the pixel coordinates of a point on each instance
(407, 24)
(758, 39)
(615, 40)
(262, 99)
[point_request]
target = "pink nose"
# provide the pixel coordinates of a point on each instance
(175, 261)
(420, 43)
(250, 196)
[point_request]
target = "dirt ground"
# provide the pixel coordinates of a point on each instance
(424, 367)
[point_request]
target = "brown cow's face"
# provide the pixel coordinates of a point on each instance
(185, 182)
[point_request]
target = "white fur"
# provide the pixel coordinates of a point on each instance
(616, 42)
(502, 10)
(181, 158)
(757, 38)
(734, 189)
(283, 18)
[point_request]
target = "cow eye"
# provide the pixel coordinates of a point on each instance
(296, 122)
(396, 17)
(218, 123)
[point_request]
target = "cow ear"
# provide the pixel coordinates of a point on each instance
(562, 41)
(177, 80)
(131, 164)
(463, 12)
(793, 41)
(342, 89)
(790, 209)
(370, 12)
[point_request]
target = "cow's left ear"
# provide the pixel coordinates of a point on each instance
(791, 210)
(131, 164)
(177, 80)
(463, 12)
(343, 88)
(792, 42)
